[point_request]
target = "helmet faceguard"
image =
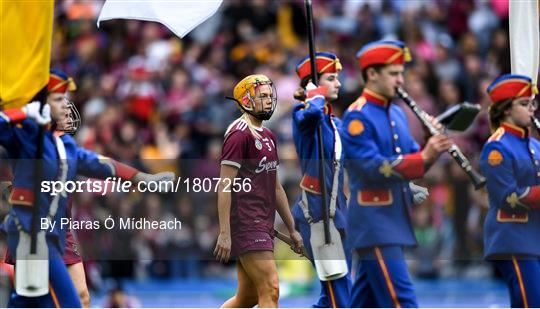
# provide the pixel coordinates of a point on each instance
(72, 122)
(251, 90)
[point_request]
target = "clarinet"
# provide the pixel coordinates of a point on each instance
(477, 179)
(536, 123)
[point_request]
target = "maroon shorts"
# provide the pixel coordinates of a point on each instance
(251, 241)
(71, 252)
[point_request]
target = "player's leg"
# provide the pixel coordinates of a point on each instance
(305, 232)
(335, 293)
(246, 292)
(17, 301)
(388, 277)
(522, 276)
(338, 292)
(62, 291)
(76, 272)
(361, 294)
(73, 260)
(260, 267)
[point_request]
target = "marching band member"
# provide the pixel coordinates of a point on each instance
(381, 159)
(63, 161)
(510, 161)
(314, 110)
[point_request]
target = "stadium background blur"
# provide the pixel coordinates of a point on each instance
(156, 102)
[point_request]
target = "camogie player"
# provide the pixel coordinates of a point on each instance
(246, 217)
(63, 161)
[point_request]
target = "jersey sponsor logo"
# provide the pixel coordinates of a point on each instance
(266, 166)
(258, 144)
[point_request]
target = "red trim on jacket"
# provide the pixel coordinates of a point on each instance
(532, 199)
(15, 114)
(21, 196)
(310, 184)
(124, 171)
(411, 166)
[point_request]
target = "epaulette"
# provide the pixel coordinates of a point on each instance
(496, 136)
(358, 104)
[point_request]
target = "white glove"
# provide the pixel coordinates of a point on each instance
(420, 194)
(164, 180)
(32, 112)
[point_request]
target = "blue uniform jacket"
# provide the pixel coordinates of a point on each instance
(381, 158)
(20, 141)
(306, 118)
(510, 161)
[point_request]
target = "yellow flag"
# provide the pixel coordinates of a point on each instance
(25, 49)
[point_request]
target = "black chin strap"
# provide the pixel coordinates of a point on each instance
(262, 115)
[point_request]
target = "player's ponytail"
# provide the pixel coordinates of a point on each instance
(250, 126)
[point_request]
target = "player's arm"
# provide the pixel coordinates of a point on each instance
(223, 245)
(232, 158)
(16, 115)
(365, 157)
(307, 115)
(29, 111)
(93, 165)
(496, 164)
(285, 213)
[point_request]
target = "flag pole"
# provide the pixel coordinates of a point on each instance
(321, 159)
(41, 97)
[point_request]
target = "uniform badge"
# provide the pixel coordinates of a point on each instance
(512, 200)
(258, 144)
(386, 169)
(495, 158)
(356, 127)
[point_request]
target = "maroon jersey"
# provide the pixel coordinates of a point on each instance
(257, 160)
(71, 251)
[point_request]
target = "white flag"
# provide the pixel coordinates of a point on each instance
(524, 37)
(180, 16)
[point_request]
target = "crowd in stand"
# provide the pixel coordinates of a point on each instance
(157, 102)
